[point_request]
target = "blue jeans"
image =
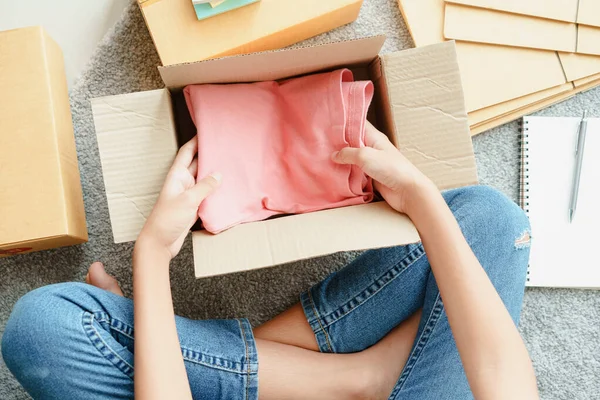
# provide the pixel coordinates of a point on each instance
(75, 341)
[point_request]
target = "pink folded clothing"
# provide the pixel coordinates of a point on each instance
(272, 142)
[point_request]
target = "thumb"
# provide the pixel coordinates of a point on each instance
(348, 155)
(353, 155)
(203, 188)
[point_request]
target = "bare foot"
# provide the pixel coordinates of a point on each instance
(387, 358)
(98, 277)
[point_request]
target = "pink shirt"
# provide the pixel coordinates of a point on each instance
(272, 143)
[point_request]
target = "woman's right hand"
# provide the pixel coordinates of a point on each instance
(400, 183)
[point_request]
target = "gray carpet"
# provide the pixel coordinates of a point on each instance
(561, 327)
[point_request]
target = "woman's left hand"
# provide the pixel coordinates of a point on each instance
(176, 209)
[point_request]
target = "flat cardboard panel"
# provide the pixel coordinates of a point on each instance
(577, 66)
(266, 243)
(40, 192)
(518, 113)
(137, 144)
(586, 86)
(496, 27)
(589, 12)
(533, 108)
(505, 72)
(587, 80)
(495, 74)
(490, 113)
(424, 20)
(269, 24)
(561, 10)
(427, 105)
(588, 39)
(259, 66)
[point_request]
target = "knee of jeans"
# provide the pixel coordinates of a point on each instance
(491, 221)
(485, 210)
(36, 324)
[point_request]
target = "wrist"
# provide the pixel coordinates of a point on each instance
(146, 246)
(424, 195)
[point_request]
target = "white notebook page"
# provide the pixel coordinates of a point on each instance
(563, 254)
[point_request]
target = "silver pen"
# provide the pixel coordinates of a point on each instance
(578, 163)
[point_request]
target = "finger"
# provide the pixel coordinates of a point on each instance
(348, 155)
(186, 153)
(193, 168)
(204, 188)
(352, 155)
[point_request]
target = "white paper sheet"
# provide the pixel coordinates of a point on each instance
(563, 254)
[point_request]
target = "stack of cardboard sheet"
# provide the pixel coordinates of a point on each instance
(515, 57)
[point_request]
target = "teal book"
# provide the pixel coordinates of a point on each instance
(205, 10)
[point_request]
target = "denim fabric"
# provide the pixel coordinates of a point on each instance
(355, 307)
(74, 341)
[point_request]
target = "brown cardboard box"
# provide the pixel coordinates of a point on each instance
(268, 24)
(41, 203)
(418, 103)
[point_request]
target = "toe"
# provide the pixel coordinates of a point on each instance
(98, 277)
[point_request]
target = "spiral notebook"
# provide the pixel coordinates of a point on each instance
(563, 254)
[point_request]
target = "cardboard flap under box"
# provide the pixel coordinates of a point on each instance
(41, 202)
(418, 103)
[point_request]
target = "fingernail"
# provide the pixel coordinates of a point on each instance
(334, 155)
(217, 176)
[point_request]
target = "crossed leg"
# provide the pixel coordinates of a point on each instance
(288, 352)
(357, 334)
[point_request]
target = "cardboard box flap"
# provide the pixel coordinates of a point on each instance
(428, 110)
(281, 240)
(259, 66)
(137, 144)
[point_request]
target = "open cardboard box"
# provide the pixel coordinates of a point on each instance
(418, 103)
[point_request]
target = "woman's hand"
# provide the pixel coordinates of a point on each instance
(176, 209)
(397, 179)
